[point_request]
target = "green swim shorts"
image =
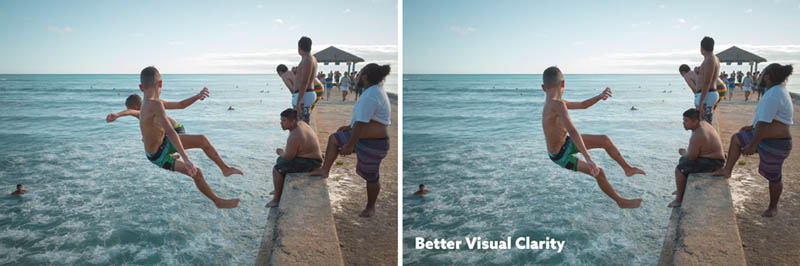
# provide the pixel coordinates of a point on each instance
(564, 157)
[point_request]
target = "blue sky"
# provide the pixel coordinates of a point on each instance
(591, 36)
(187, 36)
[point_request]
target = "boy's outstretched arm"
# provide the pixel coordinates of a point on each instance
(591, 101)
(173, 137)
(575, 136)
(112, 116)
(188, 101)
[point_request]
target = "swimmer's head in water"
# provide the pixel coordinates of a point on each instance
(19, 186)
(304, 44)
(282, 69)
(421, 186)
(707, 44)
(134, 102)
(691, 119)
(552, 78)
(288, 118)
(149, 78)
(683, 69)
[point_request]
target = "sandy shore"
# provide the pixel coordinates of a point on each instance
(766, 241)
(364, 241)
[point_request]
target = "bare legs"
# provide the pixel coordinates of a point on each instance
(733, 155)
(277, 182)
(680, 181)
(331, 152)
(603, 141)
(606, 187)
(372, 196)
(200, 141)
(344, 95)
(201, 184)
(775, 190)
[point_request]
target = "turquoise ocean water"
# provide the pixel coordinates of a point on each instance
(476, 142)
(93, 197)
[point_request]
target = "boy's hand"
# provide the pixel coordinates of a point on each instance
(203, 94)
(279, 151)
(190, 167)
(746, 128)
(606, 93)
(348, 148)
(111, 117)
(681, 151)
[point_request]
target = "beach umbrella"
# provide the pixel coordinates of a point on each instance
(336, 56)
(736, 55)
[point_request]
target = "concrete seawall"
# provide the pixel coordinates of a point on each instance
(301, 230)
(704, 230)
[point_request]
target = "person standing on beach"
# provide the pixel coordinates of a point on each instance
(304, 80)
(160, 138)
(703, 155)
(563, 140)
(367, 135)
(731, 85)
(329, 85)
(769, 135)
(345, 85)
(356, 91)
(707, 81)
(302, 153)
(747, 83)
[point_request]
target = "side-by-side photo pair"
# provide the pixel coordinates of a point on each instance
(399, 132)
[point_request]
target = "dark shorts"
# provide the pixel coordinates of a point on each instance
(699, 165)
(370, 153)
(297, 165)
(771, 154)
(564, 157)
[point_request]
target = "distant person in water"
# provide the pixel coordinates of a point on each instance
(367, 134)
(703, 155)
(302, 153)
(19, 190)
(769, 134)
(422, 190)
(161, 139)
(563, 139)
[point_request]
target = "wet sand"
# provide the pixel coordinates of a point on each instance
(364, 241)
(766, 241)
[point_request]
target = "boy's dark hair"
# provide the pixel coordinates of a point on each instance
(19, 185)
(778, 73)
(133, 101)
(684, 69)
(707, 44)
(304, 44)
(282, 68)
(552, 76)
(421, 185)
(149, 77)
(692, 113)
(289, 113)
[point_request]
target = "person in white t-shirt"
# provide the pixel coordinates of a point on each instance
(769, 134)
(746, 85)
(367, 135)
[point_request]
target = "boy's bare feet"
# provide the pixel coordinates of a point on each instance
(227, 203)
(231, 171)
(633, 170)
(770, 212)
(272, 204)
(675, 204)
(367, 213)
(629, 203)
(722, 172)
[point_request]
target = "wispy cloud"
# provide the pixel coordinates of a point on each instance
(748, 11)
(346, 10)
(258, 61)
(682, 20)
(462, 30)
(60, 30)
(259, 6)
(279, 21)
(695, 27)
(662, 6)
(667, 61)
(291, 28)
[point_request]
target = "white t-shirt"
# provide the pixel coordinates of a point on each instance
(372, 105)
(776, 104)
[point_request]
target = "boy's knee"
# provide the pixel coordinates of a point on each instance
(332, 139)
(204, 141)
